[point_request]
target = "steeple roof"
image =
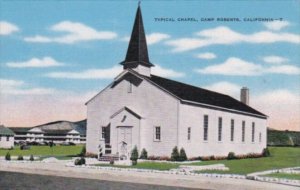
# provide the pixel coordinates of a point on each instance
(137, 52)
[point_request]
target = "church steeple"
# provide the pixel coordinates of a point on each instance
(137, 52)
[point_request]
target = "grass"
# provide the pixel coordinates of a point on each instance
(281, 157)
(147, 165)
(284, 175)
(44, 151)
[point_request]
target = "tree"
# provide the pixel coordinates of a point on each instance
(7, 156)
(175, 154)
(144, 154)
(134, 155)
(182, 155)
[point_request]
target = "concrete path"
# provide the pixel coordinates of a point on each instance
(59, 169)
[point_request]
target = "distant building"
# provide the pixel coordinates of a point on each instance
(57, 132)
(148, 111)
(6, 137)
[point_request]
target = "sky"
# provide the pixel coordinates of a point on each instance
(56, 55)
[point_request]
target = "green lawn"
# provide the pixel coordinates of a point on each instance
(44, 151)
(147, 165)
(284, 175)
(281, 157)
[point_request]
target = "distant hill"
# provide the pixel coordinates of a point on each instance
(283, 138)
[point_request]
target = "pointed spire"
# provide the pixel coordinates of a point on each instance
(137, 52)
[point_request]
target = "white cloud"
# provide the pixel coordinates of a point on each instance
(206, 55)
(224, 36)
(233, 66)
(156, 38)
(237, 67)
(164, 72)
(225, 87)
(275, 59)
(276, 25)
(284, 69)
(74, 32)
(7, 28)
(17, 87)
(35, 63)
(108, 73)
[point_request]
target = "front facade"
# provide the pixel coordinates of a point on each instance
(155, 113)
(6, 137)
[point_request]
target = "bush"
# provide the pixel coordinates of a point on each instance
(20, 157)
(182, 155)
(111, 162)
(7, 156)
(144, 154)
(175, 154)
(91, 155)
(79, 161)
(83, 151)
(31, 158)
(231, 156)
(266, 152)
(134, 154)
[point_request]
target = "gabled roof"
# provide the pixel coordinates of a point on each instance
(127, 109)
(137, 52)
(200, 95)
(6, 131)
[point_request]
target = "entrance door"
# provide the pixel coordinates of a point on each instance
(124, 140)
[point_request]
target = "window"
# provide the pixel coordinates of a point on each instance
(232, 130)
(129, 90)
(253, 131)
(205, 128)
(259, 137)
(102, 132)
(7, 138)
(189, 133)
(220, 129)
(157, 134)
(243, 131)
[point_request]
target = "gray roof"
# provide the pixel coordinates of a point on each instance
(6, 131)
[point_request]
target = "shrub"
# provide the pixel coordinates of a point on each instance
(111, 162)
(212, 157)
(266, 152)
(7, 156)
(79, 161)
(134, 155)
(153, 158)
(91, 155)
(175, 154)
(182, 155)
(20, 157)
(144, 154)
(83, 151)
(231, 156)
(31, 158)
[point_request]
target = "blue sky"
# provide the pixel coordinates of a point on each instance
(71, 49)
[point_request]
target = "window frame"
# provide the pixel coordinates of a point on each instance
(220, 126)
(243, 131)
(157, 133)
(253, 132)
(232, 130)
(205, 127)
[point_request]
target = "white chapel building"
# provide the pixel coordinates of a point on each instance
(156, 113)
